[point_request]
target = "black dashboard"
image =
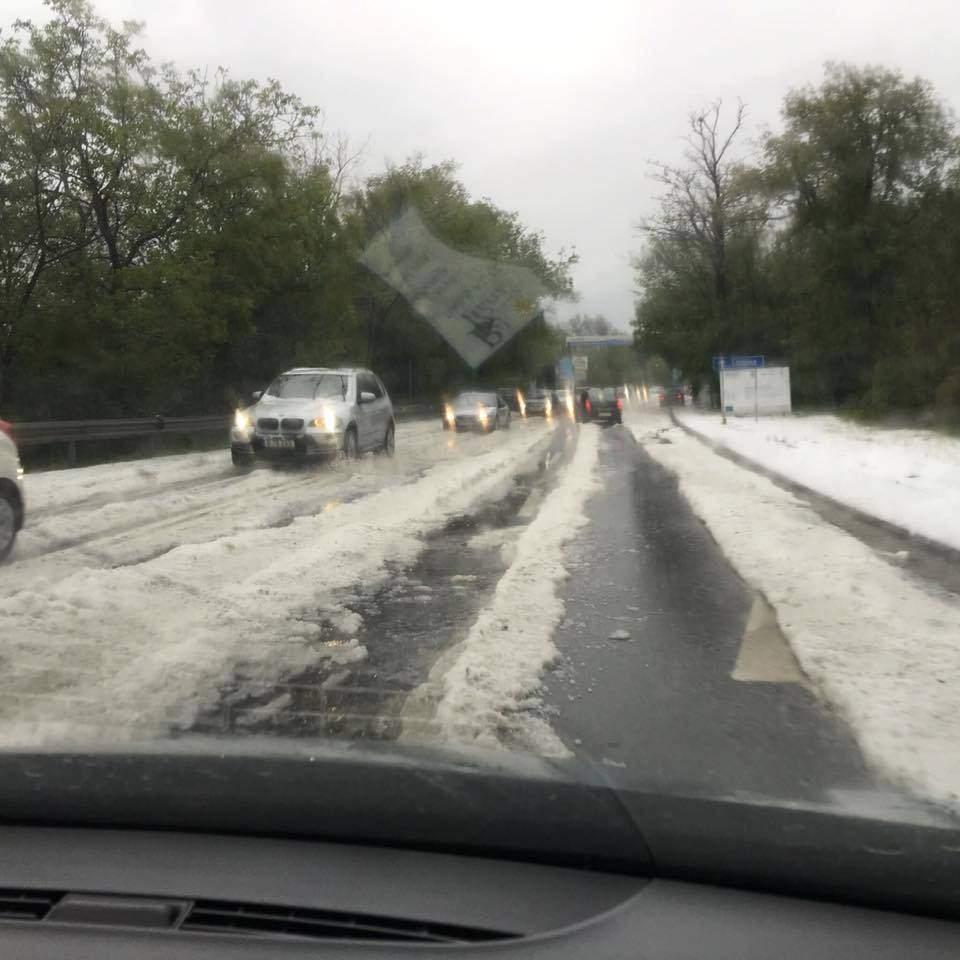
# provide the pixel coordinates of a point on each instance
(193, 856)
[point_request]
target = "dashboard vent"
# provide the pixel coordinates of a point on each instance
(215, 916)
(27, 904)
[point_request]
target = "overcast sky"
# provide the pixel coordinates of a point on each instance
(552, 109)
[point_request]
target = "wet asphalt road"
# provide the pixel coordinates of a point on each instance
(662, 709)
(659, 710)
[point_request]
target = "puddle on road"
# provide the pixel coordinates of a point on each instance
(408, 622)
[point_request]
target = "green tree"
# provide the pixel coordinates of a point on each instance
(397, 339)
(858, 167)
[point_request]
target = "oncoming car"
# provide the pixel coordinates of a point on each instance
(315, 412)
(11, 490)
(476, 410)
(540, 402)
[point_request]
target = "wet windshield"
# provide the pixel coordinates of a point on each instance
(476, 399)
(708, 540)
(308, 387)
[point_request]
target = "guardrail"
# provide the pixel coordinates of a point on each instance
(72, 432)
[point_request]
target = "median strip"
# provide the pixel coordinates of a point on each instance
(486, 691)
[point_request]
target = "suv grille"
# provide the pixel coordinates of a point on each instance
(268, 423)
(291, 424)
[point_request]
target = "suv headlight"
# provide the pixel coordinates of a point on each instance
(242, 421)
(327, 421)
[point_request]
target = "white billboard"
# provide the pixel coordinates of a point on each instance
(761, 391)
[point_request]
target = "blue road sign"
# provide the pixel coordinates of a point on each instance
(565, 368)
(737, 363)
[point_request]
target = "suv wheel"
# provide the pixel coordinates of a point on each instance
(390, 441)
(241, 458)
(8, 523)
(351, 449)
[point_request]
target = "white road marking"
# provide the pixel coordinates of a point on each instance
(765, 655)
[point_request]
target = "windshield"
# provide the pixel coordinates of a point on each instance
(708, 546)
(308, 386)
(473, 399)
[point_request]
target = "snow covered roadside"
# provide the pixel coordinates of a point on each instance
(877, 646)
(57, 489)
(107, 654)
(488, 696)
(910, 478)
(152, 505)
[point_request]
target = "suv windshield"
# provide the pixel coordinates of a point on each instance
(308, 386)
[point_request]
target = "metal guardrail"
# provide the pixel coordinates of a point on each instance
(72, 432)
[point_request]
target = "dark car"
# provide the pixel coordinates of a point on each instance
(603, 405)
(511, 397)
(671, 397)
(481, 410)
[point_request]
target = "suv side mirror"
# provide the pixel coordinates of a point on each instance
(367, 397)
(256, 395)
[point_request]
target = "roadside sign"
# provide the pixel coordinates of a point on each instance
(580, 365)
(737, 363)
(564, 369)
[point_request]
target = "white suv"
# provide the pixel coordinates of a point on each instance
(315, 411)
(11, 490)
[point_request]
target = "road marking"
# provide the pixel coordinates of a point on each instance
(765, 655)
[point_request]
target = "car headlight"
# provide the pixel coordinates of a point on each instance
(482, 414)
(449, 414)
(328, 421)
(242, 421)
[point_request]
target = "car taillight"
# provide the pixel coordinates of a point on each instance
(619, 404)
(6, 428)
(587, 405)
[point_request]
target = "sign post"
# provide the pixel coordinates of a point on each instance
(723, 396)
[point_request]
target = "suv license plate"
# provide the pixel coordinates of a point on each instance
(281, 443)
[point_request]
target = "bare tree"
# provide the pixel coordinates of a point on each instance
(710, 199)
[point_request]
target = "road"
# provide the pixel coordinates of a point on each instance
(704, 695)
(547, 588)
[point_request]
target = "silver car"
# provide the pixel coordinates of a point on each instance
(476, 410)
(11, 490)
(315, 412)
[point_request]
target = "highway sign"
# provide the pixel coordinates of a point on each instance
(580, 365)
(564, 369)
(737, 363)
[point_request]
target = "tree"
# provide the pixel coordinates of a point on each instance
(145, 214)
(701, 247)
(396, 337)
(589, 325)
(168, 241)
(862, 162)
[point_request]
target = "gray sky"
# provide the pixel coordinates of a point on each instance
(551, 108)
